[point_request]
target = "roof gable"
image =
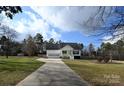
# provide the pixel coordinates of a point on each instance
(67, 47)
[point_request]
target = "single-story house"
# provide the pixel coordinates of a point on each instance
(64, 50)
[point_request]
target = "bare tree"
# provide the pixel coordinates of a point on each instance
(8, 32)
(91, 49)
(107, 20)
(7, 35)
(30, 46)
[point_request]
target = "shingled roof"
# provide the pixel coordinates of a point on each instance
(61, 45)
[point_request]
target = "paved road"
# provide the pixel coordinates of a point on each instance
(53, 73)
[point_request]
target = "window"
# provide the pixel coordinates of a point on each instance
(75, 52)
(64, 52)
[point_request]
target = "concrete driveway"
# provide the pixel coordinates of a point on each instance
(53, 73)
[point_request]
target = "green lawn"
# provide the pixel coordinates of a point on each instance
(15, 69)
(96, 73)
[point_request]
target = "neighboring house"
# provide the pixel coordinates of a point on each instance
(64, 50)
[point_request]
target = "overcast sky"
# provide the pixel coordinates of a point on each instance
(60, 23)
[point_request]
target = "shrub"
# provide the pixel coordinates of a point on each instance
(99, 59)
(106, 59)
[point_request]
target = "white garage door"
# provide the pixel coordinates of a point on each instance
(53, 53)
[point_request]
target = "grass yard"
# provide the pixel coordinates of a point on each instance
(15, 69)
(96, 73)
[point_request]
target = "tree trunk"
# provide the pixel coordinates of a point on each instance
(119, 54)
(110, 56)
(6, 54)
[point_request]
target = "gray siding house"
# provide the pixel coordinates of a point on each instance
(64, 50)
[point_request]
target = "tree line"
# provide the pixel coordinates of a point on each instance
(106, 51)
(30, 46)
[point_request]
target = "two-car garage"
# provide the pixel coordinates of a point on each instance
(53, 53)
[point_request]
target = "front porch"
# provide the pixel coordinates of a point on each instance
(70, 54)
